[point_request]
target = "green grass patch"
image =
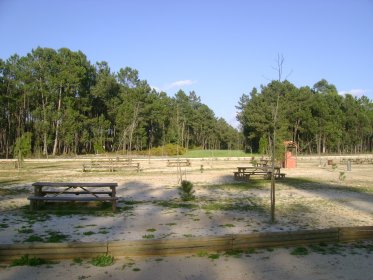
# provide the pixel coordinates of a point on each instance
(151, 230)
(238, 205)
(88, 233)
(27, 261)
(13, 191)
(103, 260)
(299, 251)
(56, 237)
(25, 230)
(4, 225)
(175, 204)
(243, 186)
(309, 184)
(227, 225)
(234, 253)
(34, 238)
(61, 209)
(213, 256)
(148, 236)
(77, 260)
(201, 254)
(251, 251)
(215, 153)
(136, 269)
(52, 237)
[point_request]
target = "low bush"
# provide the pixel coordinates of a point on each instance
(186, 191)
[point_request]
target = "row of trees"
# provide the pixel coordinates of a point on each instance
(318, 119)
(67, 105)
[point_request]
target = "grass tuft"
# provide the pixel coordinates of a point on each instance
(26, 260)
(103, 260)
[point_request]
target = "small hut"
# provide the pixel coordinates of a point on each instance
(290, 159)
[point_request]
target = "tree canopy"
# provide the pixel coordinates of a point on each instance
(318, 119)
(69, 106)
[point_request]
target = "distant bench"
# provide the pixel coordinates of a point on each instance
(111, 165)
(356, 160)
(177, 162)
(64, 192)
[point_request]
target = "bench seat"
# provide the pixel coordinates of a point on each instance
(76, 193)
(71, 198)
(176, 163)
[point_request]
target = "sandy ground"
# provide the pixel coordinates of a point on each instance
(224, 208)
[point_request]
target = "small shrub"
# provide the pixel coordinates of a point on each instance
(342, 176)
(103, 260)
(186, 191)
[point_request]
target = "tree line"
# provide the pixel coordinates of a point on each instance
(60, 103)
(318, 119)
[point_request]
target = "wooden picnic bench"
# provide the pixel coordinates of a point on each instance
(111, 165)
(64, 192)
(244, 173)
(178, 162)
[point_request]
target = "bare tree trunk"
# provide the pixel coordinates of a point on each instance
(133, 125)
(57, 122)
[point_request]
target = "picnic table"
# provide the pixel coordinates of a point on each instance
(65, 191)
(263, 162)
(178, 162)
(111, 165)
(244, 172)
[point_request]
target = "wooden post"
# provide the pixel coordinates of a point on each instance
(114, 201)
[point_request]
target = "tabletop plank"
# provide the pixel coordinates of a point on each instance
(73, 184)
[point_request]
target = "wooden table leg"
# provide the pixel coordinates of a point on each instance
(114, 201)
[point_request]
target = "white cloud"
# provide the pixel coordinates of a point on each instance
(179, 84)
(355, 92)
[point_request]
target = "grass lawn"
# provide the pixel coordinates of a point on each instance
(215, 153)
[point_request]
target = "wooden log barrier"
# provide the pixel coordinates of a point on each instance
(52, 251)
(282, 239)
(347, 234)
(169, 247)
(184, 245)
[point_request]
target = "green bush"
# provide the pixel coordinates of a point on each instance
(186, 191)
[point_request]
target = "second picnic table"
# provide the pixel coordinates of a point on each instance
(244, 172)
(68, 191)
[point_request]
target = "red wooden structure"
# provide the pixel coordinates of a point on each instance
(290, 160)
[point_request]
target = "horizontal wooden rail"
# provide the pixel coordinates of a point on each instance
(184, 245)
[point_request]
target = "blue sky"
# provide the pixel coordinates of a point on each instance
(219, 49)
